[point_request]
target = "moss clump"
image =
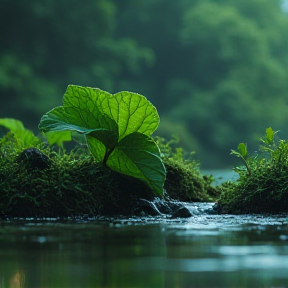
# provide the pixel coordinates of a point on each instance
(186, 184)
(72, 185)
(263, 188)
(184, 181)
(41, 182)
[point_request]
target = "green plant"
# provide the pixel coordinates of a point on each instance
(269, 146)
(23, 138)
(243, 154)
(117, 129)
(264, 188)
(170, 150)
(274, 149)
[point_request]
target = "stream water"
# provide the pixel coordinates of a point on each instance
(202, 251)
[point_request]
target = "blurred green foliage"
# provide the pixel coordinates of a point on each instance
(48, 44)
(215, 69)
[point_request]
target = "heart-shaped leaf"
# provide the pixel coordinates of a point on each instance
(117, 128)
(131, 111)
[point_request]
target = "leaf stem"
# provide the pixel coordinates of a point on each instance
(247, 166)
(107, 154)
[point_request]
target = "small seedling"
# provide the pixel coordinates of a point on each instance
(243, 154)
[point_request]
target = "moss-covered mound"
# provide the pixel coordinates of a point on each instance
(263, 184)
(265, 191)
(40, 182)
(186, 183)
(65, 185)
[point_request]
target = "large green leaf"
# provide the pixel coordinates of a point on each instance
(101, 115)
(117, 128)
(131, 111)
(136, 155)
(77, 119)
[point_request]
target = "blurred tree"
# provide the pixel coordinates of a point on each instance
(220, 69)
(49, 44)
(238, 85)
(155, 24)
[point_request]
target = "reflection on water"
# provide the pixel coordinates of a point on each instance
(203, 251)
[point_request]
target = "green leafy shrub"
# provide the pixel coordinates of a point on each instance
(263, 182)
(117, 129)
(22, 137)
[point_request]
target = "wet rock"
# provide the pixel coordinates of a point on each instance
(34, 159)
(166, 206)
(182, 212)
(161, 207)
(147, 208)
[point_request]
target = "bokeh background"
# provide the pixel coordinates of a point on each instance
(217, 70)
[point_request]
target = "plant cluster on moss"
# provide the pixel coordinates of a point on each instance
(42, 181)
(263, 182)
(124, 162)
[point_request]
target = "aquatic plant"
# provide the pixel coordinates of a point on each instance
(117, 129)
(265, 187)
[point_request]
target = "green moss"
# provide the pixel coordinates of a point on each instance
(262, 189)
(187, 184)
(184, 181)
(42, 182)
(73, 184)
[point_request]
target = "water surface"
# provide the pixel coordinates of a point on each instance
(202, 251)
